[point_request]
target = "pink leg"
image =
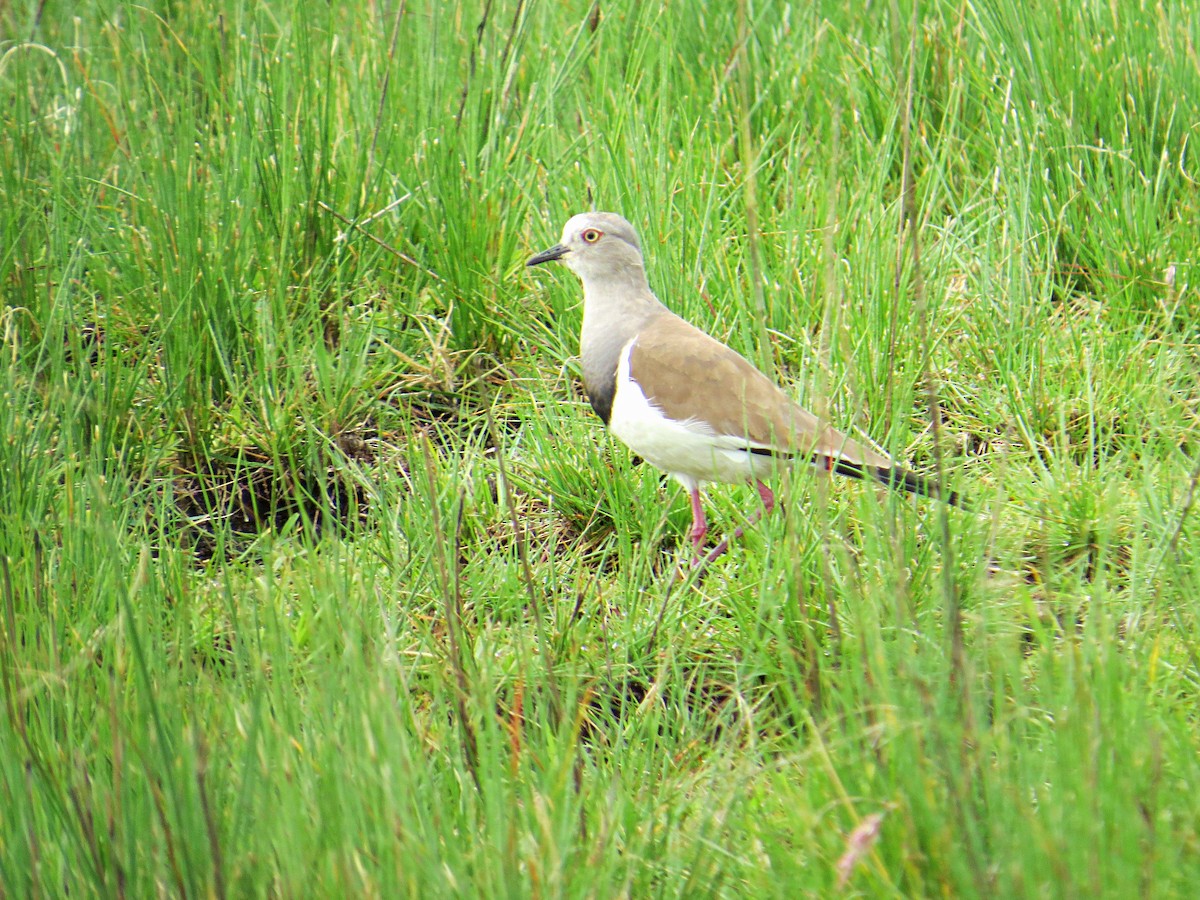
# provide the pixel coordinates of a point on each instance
(768, 504)
(699, 522)
(768, 499)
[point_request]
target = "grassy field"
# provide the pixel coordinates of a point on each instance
(318, 577)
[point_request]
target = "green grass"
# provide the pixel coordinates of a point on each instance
(318, 576)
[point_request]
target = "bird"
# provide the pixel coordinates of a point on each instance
(683, 401)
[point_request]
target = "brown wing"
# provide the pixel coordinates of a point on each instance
(689, 375)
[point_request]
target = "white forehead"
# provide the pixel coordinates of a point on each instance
(579, 223)
(606, 222)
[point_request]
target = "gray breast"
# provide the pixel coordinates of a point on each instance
(616, 309)
(600, 359)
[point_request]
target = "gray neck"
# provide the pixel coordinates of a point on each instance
(616, 306)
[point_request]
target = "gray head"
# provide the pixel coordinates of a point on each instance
(597, 246)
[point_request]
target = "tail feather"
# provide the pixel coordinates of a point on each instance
(894, 477)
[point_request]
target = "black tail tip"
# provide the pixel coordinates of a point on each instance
(902, 479)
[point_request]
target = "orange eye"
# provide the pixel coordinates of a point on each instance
(592, 235)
